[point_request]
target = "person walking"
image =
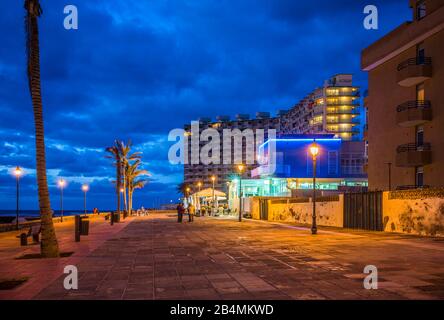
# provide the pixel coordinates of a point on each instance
(191, 212)
(180, 212)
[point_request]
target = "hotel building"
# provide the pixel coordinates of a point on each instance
(195, 173)
(406, 102)
(333, 108)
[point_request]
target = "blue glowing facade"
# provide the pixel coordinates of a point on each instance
(293, 158)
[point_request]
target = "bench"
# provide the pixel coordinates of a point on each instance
(34, 232)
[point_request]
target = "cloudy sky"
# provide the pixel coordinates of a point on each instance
(137, 69)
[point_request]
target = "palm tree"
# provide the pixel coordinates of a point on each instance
(49, 247)
(182, 188)
(126, 158)
(114, 153)
(134, 181)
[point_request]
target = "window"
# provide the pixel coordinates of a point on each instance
(420, 54)
(332, 162)
(419, 136)
(420, 10)
(420, 92)
(420, 176)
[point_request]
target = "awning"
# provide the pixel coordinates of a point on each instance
(209, 193)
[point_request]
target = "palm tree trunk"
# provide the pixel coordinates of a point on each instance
(118, 182)
(125, 203)
(48, 246)
(130, 196)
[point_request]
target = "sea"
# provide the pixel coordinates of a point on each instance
(24, 215)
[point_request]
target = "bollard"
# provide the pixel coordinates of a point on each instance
(77, 230)
(84, 227)
(23, 239)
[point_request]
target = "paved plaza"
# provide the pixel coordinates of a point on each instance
(212, 258)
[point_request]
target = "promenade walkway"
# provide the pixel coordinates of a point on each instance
(156, 258)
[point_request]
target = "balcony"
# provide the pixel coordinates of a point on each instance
(411, 187)
(414, 71)
(414, 113)
(413, 155)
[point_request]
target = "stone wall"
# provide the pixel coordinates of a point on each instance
(328, 211)
(414, 211)
(418, 212)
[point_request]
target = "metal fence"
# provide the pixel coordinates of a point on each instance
(363, 211)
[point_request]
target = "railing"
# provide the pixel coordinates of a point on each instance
(413, 147)
(411, 187)
(414, 104)
(340, 112)
(415, 62)
(353, 103)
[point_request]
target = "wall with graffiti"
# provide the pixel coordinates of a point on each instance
(415, 211)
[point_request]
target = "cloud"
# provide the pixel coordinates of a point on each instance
(136, 70)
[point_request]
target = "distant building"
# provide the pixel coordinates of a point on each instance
(405, 102)
(195, 173)
(333, 108)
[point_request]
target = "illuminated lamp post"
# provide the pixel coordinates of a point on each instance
(85, 189)
(240, 169)
(314, 150)
(18, 173)
(187, 194)
(199, 185)
(62, 184)
(213, 179)
(121, 198)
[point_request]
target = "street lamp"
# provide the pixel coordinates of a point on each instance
(240, 168)
(18, 173)
(85, 189)
(62, 184)
(213, 179)
(314, 150)
(199, 185)
(121, 197)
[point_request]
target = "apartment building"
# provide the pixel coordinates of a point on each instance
(333, 108)
(201, 173)
(406, 102)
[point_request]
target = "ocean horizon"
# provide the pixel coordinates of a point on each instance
(36, 213)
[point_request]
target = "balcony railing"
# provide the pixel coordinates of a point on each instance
(413, 147)
(411, 187)
(415, 104)
(413, 155)
(414, 71)
(414, 113)
(418, 61)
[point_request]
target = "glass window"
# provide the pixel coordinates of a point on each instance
(420, 92)
(421, 10)
(419, 136)
(420, 176)
(332, 162)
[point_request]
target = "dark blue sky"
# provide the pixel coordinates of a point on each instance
(139, 69)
